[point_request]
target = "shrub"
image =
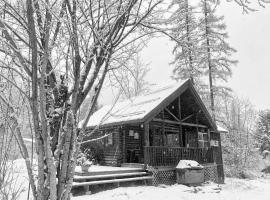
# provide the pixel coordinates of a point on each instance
(94, 152)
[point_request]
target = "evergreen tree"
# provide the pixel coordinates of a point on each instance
(215, 51)
(185, 30)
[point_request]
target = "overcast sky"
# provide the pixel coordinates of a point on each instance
(249, 35)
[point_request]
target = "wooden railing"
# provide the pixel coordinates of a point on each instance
(170, 156)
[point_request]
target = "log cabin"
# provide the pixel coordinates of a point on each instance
(158, 129)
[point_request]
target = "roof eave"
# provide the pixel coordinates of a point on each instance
(117, 123)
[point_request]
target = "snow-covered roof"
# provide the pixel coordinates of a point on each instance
(134, 109)
(221, 129)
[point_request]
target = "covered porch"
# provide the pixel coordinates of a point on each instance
(180, 130)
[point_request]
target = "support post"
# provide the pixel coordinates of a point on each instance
(146, 134)
(163, 129)
(146, 143)
(209, 137)
(181, 143)
(197, 129)
(123, 131)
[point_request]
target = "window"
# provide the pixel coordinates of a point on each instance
(202, 140)
(109, 139)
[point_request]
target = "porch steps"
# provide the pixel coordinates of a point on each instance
(113, 176)
(114, 170)
(118, 180)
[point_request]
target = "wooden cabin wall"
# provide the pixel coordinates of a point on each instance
(112, 153)
(131, 144)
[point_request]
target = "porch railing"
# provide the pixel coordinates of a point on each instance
(170, 156)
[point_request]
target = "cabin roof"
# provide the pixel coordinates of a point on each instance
(139, 109)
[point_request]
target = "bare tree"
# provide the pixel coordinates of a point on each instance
(237, 116)
(61, 51)
(63, 54)
(10, 186)
(130, 77)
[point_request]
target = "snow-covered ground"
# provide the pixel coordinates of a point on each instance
(233, 189)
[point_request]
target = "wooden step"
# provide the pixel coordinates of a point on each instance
(120, 171)
(77, 184)
(79, 178)
(133, 165)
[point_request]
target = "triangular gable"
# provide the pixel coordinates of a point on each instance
(187, 84)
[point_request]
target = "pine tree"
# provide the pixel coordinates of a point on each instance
(216, 52)
(185, 30)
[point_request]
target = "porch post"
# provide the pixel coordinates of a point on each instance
(180, 126)
(209, 137)
(197, 129)
(146, 134)
(124, 132)
(163, 130)
(146, 155)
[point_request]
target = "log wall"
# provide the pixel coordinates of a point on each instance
(112, 153)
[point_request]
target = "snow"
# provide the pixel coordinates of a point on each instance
(135, 108)
(185, 164)
(99, 168)
(28, 140)
(234, 189)
(221, 129)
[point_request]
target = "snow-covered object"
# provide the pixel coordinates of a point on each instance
(188, 164)
(222, 130)
(132, 109)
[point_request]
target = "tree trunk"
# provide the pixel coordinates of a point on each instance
(191, 75)
(210, 76)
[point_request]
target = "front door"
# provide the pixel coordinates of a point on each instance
(133, 142)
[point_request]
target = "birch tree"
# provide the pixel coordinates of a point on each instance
(62, 50)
